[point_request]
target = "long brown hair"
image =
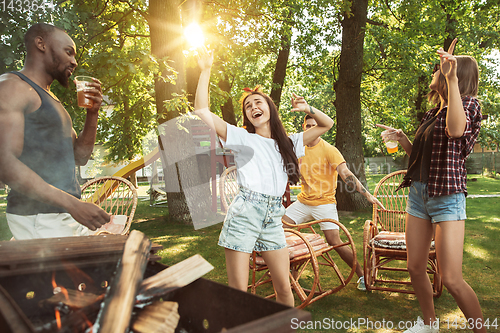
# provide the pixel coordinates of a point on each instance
(468, 80)
(278, 133)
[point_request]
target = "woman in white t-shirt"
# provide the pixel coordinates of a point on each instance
(266, 158)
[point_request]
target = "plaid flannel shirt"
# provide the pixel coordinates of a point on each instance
(447, 173)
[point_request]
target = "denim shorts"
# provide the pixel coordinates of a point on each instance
(253, 222)
(436, 209)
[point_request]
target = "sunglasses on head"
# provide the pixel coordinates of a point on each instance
(436, 68)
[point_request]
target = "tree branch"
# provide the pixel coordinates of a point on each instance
(101, 32)
(392, 13)
(143, 13)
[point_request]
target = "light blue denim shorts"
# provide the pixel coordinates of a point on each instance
(253, 222)
(436, 209)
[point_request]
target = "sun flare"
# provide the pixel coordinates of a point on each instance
(194, 35)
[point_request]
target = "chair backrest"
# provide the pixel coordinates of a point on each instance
(394, 216)
(115, 195)
(228, 187)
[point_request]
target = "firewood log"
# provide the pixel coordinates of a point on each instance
(161, 317)
(116, 309)
(176, 276)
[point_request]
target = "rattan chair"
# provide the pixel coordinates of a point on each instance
(115, 195)
(313, 272)
(228, 187)
(384, 245)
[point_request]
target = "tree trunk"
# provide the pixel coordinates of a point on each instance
(165, 30)
(281, 64)
(228, 107)
(420, 98)
(348, 102)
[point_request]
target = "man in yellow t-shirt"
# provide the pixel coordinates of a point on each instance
(319, 169)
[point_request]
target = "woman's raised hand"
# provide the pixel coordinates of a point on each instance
(448, 61)
(205, 58)
(392, 133)
(299, 104)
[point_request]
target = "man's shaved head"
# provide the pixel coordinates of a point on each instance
(43, 30)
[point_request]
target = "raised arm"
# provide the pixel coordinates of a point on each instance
(456, 120)
(15, 100)
(352, 182)
(201, 101)
(83, 144)
(324, 123)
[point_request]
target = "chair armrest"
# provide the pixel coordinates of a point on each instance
(370, 230)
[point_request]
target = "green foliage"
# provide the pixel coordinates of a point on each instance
(179, 103)
(112, 45)
(400, 49)
(401, 40)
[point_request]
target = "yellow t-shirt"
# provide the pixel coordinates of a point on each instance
(319, 174)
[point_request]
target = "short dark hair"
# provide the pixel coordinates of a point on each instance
(40, 29)
(307, 116)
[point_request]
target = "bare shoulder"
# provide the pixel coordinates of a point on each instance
(16, 95)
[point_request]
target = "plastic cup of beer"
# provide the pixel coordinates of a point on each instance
(82, 82)
(390, 144)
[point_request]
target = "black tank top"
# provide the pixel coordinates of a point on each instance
(421, 153)
(48, 151)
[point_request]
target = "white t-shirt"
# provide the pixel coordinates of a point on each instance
(258, 162)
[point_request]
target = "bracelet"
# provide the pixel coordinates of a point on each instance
(311, 109)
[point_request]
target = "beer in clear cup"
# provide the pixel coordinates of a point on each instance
(82, 82)
(390, 144)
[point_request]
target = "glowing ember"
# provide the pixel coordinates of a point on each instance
(58, 289)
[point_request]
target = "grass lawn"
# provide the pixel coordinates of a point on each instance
(481, 263)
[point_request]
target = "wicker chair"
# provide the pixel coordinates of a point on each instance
(384, 245)
(228, 187)
(313, 272)
(115, 195)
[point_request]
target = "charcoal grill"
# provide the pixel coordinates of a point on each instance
(28, 270)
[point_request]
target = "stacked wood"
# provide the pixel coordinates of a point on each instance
(118, 304)
(161, 317)
(176, 276)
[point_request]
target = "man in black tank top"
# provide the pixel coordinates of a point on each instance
(39, 148)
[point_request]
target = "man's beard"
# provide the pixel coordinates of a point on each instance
(57, 74)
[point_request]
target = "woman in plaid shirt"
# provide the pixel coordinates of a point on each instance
(437, 179)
